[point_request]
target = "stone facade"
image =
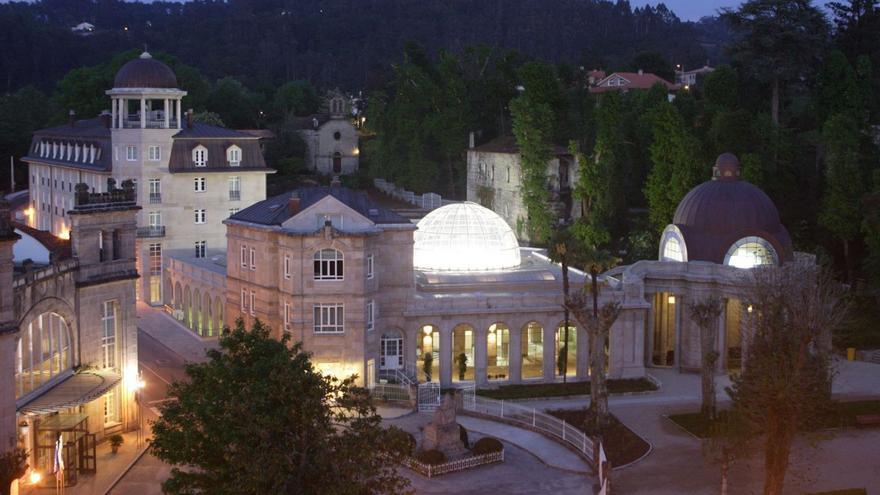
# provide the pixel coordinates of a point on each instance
(331, 140)
(71, 323)
(494, 180)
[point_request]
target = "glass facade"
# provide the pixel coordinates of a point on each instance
(44, 352)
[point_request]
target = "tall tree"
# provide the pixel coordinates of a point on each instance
(871, 230)
(779, 43)
(705, 314)
(785, 386)
(841, 212)
(258, 418)
(676, 165)
(535, 127)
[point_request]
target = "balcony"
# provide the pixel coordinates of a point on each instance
(234, 195)
(155, 198)
(151, 231)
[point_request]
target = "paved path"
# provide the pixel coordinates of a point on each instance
(548, 451)
(172, 334)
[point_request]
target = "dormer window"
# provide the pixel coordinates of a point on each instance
(200, 156)
(233, 156)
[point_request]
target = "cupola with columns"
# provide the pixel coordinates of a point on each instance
(145, 96)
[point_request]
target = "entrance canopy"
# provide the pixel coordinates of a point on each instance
(79, 388)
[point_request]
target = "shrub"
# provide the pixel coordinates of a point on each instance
(116, 440)
(487, 445)
(431, 457)
(410, 443)
(463, 436)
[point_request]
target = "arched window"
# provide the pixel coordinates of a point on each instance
(672, 250)
(328, 265)
(200, 156)
(43, 353)
(751, 251)
(233, 156)
(570, 346)
(498, 352)
(463, 353)
(532, 343)
(428, 353)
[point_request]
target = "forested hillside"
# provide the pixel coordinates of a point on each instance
(339, 43)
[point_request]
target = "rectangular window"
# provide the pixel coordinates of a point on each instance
(201, 247)
(244, 256)
(329, 318)
(253, 303)
(108, 336)
(155, 153)
(155, 218)
(371, 315)
(200, 157)
(253, 259)
(233, 211)
(369, 266)
(287, 266)
(200, 184)
(328, 265)
(287, 315)
(234, 157)
(155, 187)
(244, 300)
(131, 153)
(111, 408)
(234, 188)
(155, 259)
(200, 215)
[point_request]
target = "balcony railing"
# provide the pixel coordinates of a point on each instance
(151, 231)
(135, 123)
(234, 195)
(155, 198)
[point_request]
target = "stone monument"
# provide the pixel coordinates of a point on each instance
(442, 433)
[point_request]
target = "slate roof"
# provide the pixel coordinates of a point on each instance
(507, 144)
(84, 132)
(305, 123)
(145, 72)
(87, 128)
(275, 210)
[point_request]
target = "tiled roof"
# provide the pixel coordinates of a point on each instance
(275, 210)
(635, 80)
(88, 128)
(507, 144)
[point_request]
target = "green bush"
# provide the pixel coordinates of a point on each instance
(487, 445)
(431, 457)
(410, 443)
(463, 436)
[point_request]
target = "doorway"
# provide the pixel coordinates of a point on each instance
(391, 351)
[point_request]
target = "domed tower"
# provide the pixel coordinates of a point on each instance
(726, 220)
(145, 96)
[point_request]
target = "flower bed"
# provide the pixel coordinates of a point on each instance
(431, 470)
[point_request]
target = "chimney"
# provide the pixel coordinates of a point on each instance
(105, 118)
(293, 204)
(71, 116)
(471, 140)
(640, 72)
(189, 118)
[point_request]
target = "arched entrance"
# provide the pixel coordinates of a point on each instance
(337, 163)
(428, 353)
(391, 350)
(463, 353)
(498, 352)
(532, 351)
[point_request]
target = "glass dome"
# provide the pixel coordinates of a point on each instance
(464, 237)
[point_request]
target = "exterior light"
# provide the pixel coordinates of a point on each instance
(426, 329)
(671, 299)
(35, 477)
(492, 338)
(65, 233)
(356, 152)
(687, 87)
(363, 120)
(749, 308)
(427, 341)
(131, 376)
(29, 211)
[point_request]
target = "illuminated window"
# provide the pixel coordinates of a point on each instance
(108, 337)
(328, 265)
(749, 252)
(43, 352)
(329, 318)
(672, 250)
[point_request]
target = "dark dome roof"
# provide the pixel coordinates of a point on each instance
(719, 212)
(145, 72)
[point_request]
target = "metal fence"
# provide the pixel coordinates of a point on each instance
(537, 420)
(431, 470)
(390, 391)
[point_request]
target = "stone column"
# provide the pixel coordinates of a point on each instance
(113, 112)
(678, 329)
(721, 339)
(167, 108)
(515, 355)
(549, 352)
(445, 356)
(480, 355)
(178, 114)
(143, 113)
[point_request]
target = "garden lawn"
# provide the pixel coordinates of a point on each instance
(531, 391)
(622, 445)
(843, 416)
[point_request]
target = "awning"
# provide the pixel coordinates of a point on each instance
(80, 388)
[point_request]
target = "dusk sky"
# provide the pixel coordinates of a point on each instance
(691, 10)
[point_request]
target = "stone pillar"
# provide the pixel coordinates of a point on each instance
(721, 339)
(582, 355)
(445, 356)
(480, 355)
(678, 329)
(113, 112)
(143, 113)
(8, 332)
(167, 109)
(410, 341)
(178, 114)
(549, 352)
(515, 355)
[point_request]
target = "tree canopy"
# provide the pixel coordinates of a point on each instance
(258, 418)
